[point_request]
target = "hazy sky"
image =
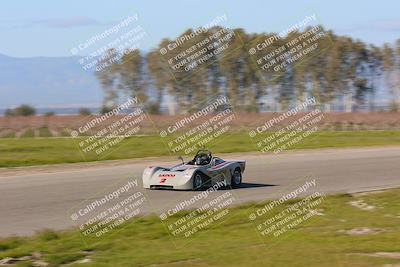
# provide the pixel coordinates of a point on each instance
(52, 28)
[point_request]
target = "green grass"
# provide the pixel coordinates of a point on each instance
(320, 241)
(28, 134)
(44, 132)
(36, 151)
(9, 135)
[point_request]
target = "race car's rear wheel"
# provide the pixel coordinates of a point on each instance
(236, 178)
(198, 181)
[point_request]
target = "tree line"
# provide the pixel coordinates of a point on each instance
(343, 67)
(28, 110)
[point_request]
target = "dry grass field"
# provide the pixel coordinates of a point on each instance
(57, 126)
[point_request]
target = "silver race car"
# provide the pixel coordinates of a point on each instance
(203, 171)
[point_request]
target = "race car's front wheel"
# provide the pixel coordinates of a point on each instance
(236, 178)
(197, 181)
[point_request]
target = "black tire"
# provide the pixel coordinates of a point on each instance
(198, 181)
(236, 178)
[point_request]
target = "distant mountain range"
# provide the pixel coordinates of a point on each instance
(47, 82)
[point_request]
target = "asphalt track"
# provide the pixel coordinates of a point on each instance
(35, 198)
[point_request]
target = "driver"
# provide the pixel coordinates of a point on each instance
(202, 159)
